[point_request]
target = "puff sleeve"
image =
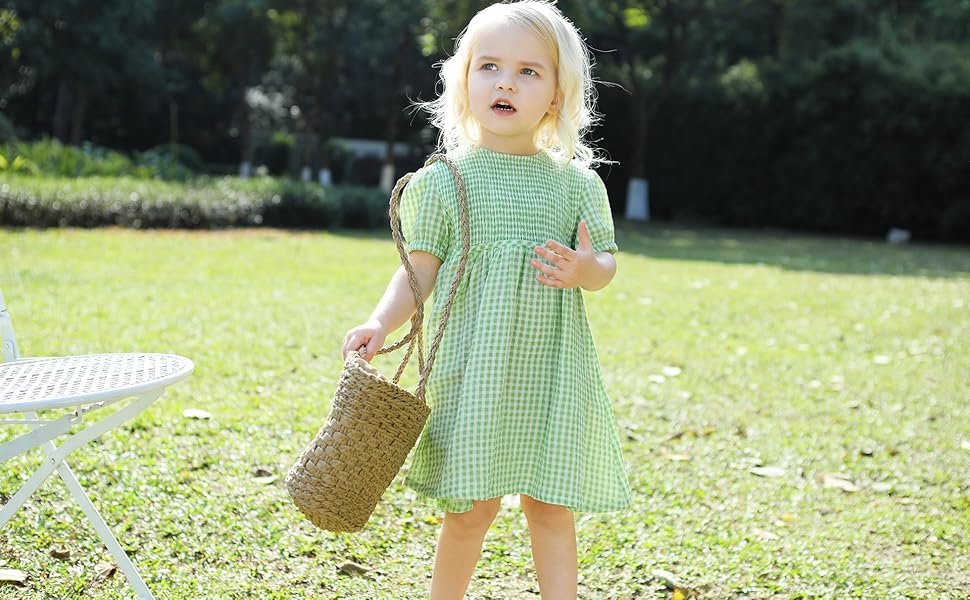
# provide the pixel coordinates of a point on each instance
(594, 208)
(425, 222)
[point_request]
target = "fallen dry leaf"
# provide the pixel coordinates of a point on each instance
(674, 436)
(834, 481)
(683, 593)
(768, 471)
(352, 568)
(765, 534)
(264, 476)
(60, 554)
(105, 570)
(668, 579)
(14, 576)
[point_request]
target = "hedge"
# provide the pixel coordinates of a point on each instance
(204, 203)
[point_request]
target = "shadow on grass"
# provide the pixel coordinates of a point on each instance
(792, 251)
(782, 249)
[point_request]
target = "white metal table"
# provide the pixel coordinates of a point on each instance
(75, 387)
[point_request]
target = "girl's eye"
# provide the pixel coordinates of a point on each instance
(528, 71)
(489, 67)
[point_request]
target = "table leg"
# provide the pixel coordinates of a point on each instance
(117, 552)
(72, 443)
(48, 431)
(55, 460)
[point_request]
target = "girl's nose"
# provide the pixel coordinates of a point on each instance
(505, 85)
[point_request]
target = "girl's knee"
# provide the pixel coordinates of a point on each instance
(538, 512)
(478, 519)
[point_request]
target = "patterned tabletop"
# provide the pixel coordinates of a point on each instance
(42, 383)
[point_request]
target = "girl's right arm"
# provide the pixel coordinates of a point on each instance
(395, 307)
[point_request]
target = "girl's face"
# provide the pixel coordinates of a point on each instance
(512, 85)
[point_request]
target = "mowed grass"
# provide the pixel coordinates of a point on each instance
(829, 365)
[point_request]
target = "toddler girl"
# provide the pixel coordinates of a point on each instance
(518, 403)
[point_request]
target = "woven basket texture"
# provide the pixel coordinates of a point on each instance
(374, 422)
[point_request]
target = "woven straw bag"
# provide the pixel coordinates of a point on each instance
(373, 421)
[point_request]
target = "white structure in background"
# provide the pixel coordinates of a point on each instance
(245, 169)
(638, 200)
(364, 148)
(896, 235)
(305, 174)
(387, 178)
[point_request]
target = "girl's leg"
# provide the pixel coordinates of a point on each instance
(459, 547)
(553, 533)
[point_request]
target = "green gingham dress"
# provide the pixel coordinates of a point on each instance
(518, 403)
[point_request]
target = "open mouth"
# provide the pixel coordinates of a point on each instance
(503, 106)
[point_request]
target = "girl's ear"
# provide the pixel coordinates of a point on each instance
(554, 106)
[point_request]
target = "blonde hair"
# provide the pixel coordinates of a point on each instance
(561, 132)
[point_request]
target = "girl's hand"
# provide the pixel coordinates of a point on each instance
(371, 335)
(567, 268)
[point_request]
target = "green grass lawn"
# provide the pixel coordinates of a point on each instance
(843, 364)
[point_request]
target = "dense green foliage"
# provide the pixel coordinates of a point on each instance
(203, 203)
(859, 139)
(843, 116)
(51, 158)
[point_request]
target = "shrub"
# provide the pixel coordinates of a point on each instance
(7, 131)
(168, 161)
(276, 154)
(54, 159)
(205, 203)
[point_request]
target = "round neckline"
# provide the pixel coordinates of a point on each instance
(538, 154)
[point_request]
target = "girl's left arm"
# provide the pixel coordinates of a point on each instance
(569, 268)
(601, 273)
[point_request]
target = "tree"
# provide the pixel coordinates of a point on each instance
(389, 44)
(313, 35)
(178, 49)
(650, 43)
(86, 51)
(11, 79)
(237, 44)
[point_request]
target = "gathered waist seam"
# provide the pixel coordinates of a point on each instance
(503, 244)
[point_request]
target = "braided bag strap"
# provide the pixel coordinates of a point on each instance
(413, 337)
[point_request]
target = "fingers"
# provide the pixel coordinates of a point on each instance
(550, 276)
(355, 341)
(550, 281)
(563, 251)
(373, 345)
(584, 239)
(549, 255)
(544, 268)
